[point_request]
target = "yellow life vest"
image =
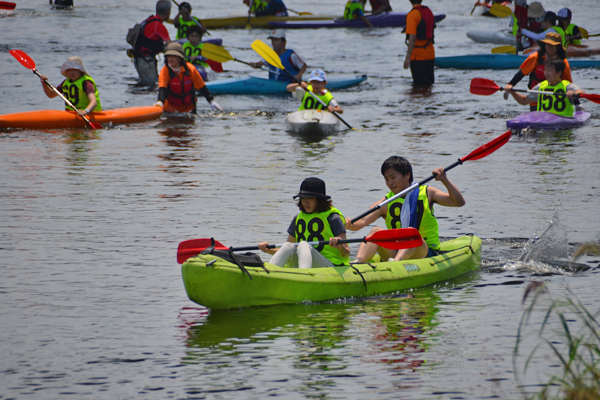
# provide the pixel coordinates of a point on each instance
(351, 8)
(73, 90)
(314, 227)
(426, 222)
(310, 103)
(558, 103)
(192, 51)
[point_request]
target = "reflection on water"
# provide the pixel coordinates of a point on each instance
(320, 345)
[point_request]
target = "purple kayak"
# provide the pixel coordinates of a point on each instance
(391, 19)
(546, 120)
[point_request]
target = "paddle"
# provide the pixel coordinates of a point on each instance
(219, 55)
(5, 5)
(195, 20)
(395, 239)
(273, 58)
(27, 62)
(299, 13)
(486, 87)
(475, 6)
(477, 154)
(500, 11)
(504, 49)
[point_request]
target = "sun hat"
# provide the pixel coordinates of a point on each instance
(552, 38)
(277, 34)
(564, 13)
(317, 75)
(535, 10)
(312, 188)
(73, 63)
(174, 49)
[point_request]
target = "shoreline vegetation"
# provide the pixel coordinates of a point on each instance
(565, 335)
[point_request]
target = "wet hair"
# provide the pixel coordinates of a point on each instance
(163, 7)
(558, 65)
(322, 205)
(398, 164)
(192, 29)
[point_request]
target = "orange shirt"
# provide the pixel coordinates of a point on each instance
(419, 53)
(164, 79)
(531, 63)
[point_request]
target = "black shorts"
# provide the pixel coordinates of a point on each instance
(422, 72)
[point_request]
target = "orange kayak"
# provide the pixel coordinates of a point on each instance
(56, 119)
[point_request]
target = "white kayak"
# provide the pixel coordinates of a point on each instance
(313, 122)
(503, 36)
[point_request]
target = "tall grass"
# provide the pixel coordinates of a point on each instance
(570, 331)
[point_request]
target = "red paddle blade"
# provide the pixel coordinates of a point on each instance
(215, 66)
(95, 125)
(488, 148)
(23, 58)
(5, 5)
(591, 97)
(397, 239)
(189, 248)
(484, 87)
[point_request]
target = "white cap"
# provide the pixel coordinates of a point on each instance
(277, 34)
(317, 75)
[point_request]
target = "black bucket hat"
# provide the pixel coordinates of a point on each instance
(312, 187)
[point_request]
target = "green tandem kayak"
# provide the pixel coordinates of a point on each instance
(223, 285)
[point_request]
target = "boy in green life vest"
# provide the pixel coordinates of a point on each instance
(317, 221)
(565, 92)
(79, 88)
(355, 9)
(183, 20)
(570, 32)
(414, 210)
(317, 82)
(255, 6)
(193, 51)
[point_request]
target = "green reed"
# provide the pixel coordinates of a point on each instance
(570, 332)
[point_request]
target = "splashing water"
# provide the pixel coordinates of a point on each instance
(550, 245)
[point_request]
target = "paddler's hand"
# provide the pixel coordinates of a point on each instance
(215, 106)
(570, 94)
(159, 104)
(330, 108)
(43, 78)
(507, 89)
(407, 62)
(262, 246)
(334, 242)
(348, 224)
(440, 174)
(304, 85)
(81, 113)
(256, 64)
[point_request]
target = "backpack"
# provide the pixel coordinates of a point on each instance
(133, 34)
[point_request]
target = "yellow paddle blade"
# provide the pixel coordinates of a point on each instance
(267, 53)
(300, 12)
(216, 53)
(584, 33)
(504, 49)
(500, 11)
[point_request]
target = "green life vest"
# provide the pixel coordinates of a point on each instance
(74, 92)
(351, 8)
(515, 26)
(569, 31)
(194, 51)
(310, 103)
(562, 34)
(184, 26)
(314, 227)
(258, 6)
(426, 222)
(557, 104)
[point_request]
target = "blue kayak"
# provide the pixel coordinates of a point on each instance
(499, 61)
(384, 20)
(254, 85)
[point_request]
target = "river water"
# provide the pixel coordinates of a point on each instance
(92, 301)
